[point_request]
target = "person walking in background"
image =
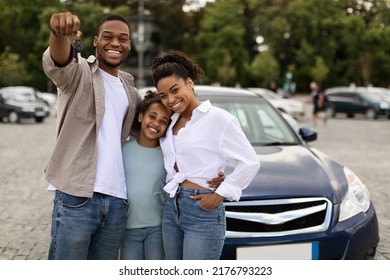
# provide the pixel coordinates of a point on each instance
(96, 106)
(273, 86)
(145, 178)
(317, 98)
(199, 143)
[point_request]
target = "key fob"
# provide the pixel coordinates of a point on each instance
(78, 47)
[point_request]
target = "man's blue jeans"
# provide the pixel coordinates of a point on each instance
(87, 228)
(142, 244)
(189, 231)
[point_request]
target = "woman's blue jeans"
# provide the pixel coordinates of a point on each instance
(87, 228)
(189, 231)
(142, 244)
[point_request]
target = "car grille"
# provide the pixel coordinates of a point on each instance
(267, 218)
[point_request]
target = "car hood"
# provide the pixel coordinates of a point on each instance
(292, 104)
(295, 171)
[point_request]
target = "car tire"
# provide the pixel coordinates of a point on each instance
(13, 117)
(39, 119)
(370, 114)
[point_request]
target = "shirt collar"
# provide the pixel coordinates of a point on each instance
(93, 62)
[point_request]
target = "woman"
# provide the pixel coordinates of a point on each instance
(199, 143)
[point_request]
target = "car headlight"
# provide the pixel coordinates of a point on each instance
(357, 198)
(384, 105)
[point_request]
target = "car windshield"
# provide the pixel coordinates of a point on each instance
(21, 96)
(373, 95)
(260, 122)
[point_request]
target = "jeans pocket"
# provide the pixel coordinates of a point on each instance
(71, 201)
(126, 202)
(204, 209)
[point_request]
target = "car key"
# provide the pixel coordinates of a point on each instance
(78, 47)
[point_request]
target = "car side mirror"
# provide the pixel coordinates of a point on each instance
(307, 134)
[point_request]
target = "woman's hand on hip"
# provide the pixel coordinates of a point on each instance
(208, 201)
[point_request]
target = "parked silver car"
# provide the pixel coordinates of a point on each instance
(291, 106)
(17, 103)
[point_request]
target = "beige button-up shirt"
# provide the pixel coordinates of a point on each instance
(72, 165)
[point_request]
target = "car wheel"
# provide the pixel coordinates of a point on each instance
(371, 114)
(330, 112)
(13, 117)
(39, 119)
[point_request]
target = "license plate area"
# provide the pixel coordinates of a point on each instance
(297, 251)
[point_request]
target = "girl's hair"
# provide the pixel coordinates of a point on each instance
(176, 63)
(150, 98)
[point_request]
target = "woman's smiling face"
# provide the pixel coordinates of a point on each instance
(177, 94)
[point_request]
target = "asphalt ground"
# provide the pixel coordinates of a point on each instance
(25, 205)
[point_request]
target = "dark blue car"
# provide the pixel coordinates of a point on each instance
(372, 102)
(302, 204)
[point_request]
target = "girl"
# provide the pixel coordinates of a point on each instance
(145, 177)
(199, 142)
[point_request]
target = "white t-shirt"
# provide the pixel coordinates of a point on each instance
(110, 177)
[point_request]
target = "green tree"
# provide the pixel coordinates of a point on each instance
(20, 33)
(13, 71)
(220, 41)
(264, 69)
(320, 70)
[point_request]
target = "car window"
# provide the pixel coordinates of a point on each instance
(373, 96)
(20, 96)
(260, 122)
(341, 97)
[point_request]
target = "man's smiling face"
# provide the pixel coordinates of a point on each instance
(112, 45)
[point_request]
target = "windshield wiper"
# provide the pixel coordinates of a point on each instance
(277, 143)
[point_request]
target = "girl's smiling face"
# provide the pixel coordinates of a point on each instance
(154, 124)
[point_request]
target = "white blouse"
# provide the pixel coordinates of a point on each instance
(210, 141)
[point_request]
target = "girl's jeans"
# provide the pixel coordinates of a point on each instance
(142, 244)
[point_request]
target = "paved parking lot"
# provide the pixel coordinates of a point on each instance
(25, 205)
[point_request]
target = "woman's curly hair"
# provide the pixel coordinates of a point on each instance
(176, 63)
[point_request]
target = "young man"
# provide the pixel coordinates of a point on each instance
(96, 107)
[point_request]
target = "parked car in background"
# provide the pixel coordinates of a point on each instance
(302, 204)
(17, 103)
(290, 106)
(290, 119)
(371, 102)
(49, 98)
